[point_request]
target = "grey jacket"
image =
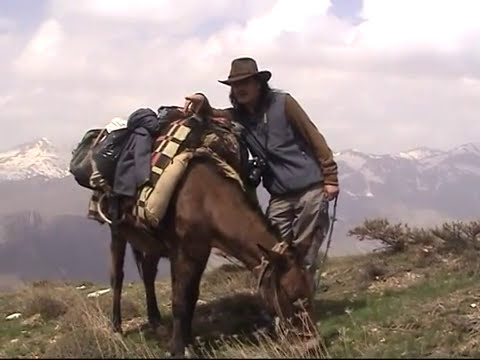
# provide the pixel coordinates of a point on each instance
(291, 165)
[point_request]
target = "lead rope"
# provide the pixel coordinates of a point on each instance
(333, 218)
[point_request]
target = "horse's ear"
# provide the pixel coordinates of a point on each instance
(272, 256)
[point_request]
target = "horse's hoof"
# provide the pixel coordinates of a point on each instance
(117, 329)
(178, 353)
(169, 355)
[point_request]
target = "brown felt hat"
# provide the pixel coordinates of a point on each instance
(243, 68)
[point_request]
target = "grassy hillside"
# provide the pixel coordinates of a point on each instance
(417, 300)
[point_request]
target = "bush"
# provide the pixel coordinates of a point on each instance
(456, 236)
(44, 303)
(394, 237)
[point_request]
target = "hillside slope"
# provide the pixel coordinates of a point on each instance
(420, 302)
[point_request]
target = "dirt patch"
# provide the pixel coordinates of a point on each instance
(399, 281)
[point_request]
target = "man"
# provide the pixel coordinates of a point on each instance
(300, 173)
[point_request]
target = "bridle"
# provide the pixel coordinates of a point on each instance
(280, 247)
(262, 268)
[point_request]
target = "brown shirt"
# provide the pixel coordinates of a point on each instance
(305, 127)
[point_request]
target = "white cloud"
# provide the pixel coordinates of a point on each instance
(42, 51)
(169, 17)
(285, 16)
(4, 100)
(130, 9)
(397, 25)
(381, 86)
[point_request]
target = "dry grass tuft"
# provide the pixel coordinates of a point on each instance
(266, 344)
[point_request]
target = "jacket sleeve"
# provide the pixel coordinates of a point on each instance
(307, 129)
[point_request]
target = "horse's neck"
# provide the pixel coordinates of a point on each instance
(242, 230)
(234, 225)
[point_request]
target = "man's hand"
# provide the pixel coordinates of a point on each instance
(331, 192)
(194, 103)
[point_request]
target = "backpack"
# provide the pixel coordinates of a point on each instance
(107, 152)
(80, 163)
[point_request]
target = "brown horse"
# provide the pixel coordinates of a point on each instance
(210, 210)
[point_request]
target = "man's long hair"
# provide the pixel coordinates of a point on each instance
(265, 98)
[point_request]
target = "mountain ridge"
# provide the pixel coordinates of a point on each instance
(421, 186)
(40, 157)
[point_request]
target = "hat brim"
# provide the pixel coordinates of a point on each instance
(265, 75)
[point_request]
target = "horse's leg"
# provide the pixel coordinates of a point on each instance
(150, 264)
(138, 256)
(186, 274)
(147, 269)
(117, 257)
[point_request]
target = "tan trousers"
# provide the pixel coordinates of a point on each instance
(302, 217)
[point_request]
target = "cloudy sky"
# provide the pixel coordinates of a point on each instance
(376, 75)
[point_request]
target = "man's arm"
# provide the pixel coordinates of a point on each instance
(206, 109)
(307, 129)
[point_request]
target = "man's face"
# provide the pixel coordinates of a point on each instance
(246, 91)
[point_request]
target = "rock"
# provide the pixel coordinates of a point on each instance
(324, 288)
(98, 293)
(133, 324)
(13, 316)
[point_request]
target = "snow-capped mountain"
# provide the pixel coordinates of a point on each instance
(445, 181)
(420, 153)
(421, 169)
(441, 182)
(39, 158)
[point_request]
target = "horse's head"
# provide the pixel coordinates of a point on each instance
(286, 285)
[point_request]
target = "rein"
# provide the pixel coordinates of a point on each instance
(333, 218)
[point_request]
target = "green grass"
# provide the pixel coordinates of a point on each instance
(398, 323)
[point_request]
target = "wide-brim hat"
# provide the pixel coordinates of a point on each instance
(243, 68)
